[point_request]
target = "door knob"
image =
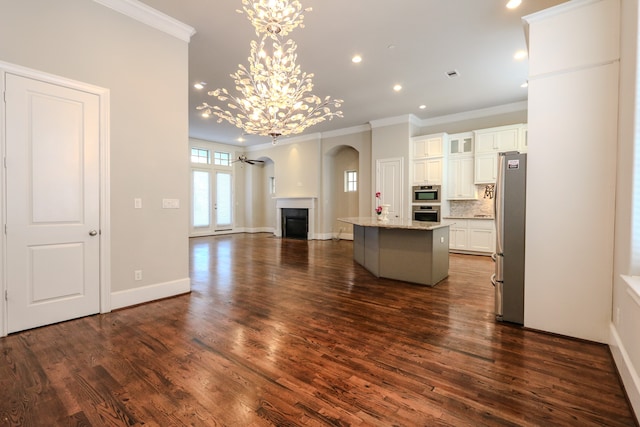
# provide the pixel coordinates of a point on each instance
(93, 233)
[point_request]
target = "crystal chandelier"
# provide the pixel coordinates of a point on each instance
(274, 17)
(274, 94)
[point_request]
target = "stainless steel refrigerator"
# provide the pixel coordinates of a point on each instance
(510, 203)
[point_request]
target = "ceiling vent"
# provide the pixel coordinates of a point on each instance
(453, 74)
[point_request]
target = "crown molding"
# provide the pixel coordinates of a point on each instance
(390, 121)
(557, 9)
(139, 11)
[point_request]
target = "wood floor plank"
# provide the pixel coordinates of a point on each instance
(294, 333)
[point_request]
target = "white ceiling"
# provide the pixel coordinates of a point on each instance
(410, 42)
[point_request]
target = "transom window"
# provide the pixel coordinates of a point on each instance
(199, 155)
(222, 159)
(350, 181)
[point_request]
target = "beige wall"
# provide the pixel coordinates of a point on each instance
(260, 206)
(146, 73)
(352, 151)
(468, 124)
(626, 311)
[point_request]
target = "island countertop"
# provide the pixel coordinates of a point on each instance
(405, 224)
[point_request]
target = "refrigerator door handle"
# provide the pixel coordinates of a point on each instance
(499, 204)
(498, 303)
(499, 268)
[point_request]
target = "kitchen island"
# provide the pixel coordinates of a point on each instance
(411, 251)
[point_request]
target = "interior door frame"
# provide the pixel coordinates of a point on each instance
(104, 152)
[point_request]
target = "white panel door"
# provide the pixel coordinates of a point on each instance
(53, 190)
(389, 178)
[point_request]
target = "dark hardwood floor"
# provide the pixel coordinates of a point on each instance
(294, 333)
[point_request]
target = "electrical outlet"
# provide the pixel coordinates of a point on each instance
(170, 203)
(137, 275)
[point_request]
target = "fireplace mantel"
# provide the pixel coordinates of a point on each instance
(296, 203)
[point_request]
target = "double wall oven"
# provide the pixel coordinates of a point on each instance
(426, 203)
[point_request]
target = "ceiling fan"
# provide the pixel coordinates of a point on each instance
(243, 159)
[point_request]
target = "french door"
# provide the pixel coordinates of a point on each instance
(211, 201)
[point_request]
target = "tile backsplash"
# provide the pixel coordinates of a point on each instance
(469, 208)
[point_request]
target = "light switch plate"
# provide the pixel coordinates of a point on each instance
(137, 203)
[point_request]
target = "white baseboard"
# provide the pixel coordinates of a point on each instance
(149, 293)
(629, 375)
(259, 230)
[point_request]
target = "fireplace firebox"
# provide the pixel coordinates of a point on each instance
(295, 223)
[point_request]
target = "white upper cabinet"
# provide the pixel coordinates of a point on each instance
(461, 180)
(486, 168)
(461, 143)
(427, 171)
(428, 146)
(490, 142)
(505, 138)
(428, 159)
(524, 139)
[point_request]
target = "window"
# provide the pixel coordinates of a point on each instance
(199, 155)
(272, 185)
(201, 199)
(222, 159)
(350, 181)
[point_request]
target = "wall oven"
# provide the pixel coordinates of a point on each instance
(426, 193)
(428, 213)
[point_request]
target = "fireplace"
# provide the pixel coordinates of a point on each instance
(298, 215)
(295, 223)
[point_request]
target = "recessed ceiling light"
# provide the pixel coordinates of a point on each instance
(397, 88)
(200, 85)
(356, 59)
(512, 4)
(422, 107)
(525, 84)
(521, 54)
(240, 139)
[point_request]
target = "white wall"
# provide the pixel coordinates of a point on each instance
(625, 325)
(573, 103)
(146, 73)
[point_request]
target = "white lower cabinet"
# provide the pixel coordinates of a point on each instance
(471, 235)
(482, 235)
(458, 235)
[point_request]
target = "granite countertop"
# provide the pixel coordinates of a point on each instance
(468, 217)
(393, 223)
